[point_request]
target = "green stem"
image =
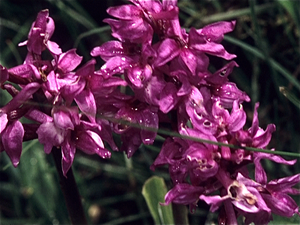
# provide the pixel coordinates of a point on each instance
(180, 214)
(70, 191)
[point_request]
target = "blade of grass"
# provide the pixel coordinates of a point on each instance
(290, 96)
(229, 15)
(20, 36)
(175, 134)
(10, 25)
(99, 31)
(73, 14)
(279, 68)
(14, 51)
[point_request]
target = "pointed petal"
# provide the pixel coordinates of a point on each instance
(215, 32)
(137, 31)
(12, 138)
(62, 119)
(116, 65)
(90, 143)
(237, 118)
(167, 50)
(3, 74)
(189, 59)
(68, 150)
(220, 76)
(150, 120)
(125, 12)
(168, 98)
(108, 49)
(214, 49)
(69, 60)
(86, 103)
(21, 97)
(183, 194)
(261, 140)
(54, 48)
(3, 121)
(49, 135)
(87, 69)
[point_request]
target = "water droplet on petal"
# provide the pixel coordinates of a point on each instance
(206, 123)
(223, 73)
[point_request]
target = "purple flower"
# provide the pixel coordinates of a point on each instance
(11, 140)
(38, 38)
(227, 93)
(11, 130)
(209, 37)
(137, 22)
(245, 198)
(256, 136)
(67, 131)
(184, 194)
(39, 35)
(189, 158)
(133, 137)
(276, 196)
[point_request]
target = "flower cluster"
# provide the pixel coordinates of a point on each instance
(49, 87)
(165, 70)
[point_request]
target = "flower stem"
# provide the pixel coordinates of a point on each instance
(70, 191)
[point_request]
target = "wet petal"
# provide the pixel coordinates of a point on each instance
(215, 32)
(116, 65)
(68, 150)
(125, 12)
(150, 120)
(168, 98)
(12, 138)
(3, 74)
(90, 143)
(237, 118)
(220, 76)
(228, 92)
(69, 60)
(3, 121)
(167, 50)
(109, 49)
(189, 59)
(183, 194)
(86, 103)
(49, 135)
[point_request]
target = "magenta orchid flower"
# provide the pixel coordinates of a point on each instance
(11, 129)
(69, 132)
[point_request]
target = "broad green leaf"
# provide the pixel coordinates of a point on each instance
(154, 190)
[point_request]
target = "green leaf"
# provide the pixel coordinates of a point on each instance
(154, 190)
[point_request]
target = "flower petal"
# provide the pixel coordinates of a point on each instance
(166, 51)
(12, 138)
(50, 135)
(69, 60)
(86, 103)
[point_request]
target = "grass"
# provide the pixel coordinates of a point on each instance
(266, 41)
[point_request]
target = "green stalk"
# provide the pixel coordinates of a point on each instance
(70, 191)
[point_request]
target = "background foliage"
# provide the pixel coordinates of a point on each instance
(266, 41)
